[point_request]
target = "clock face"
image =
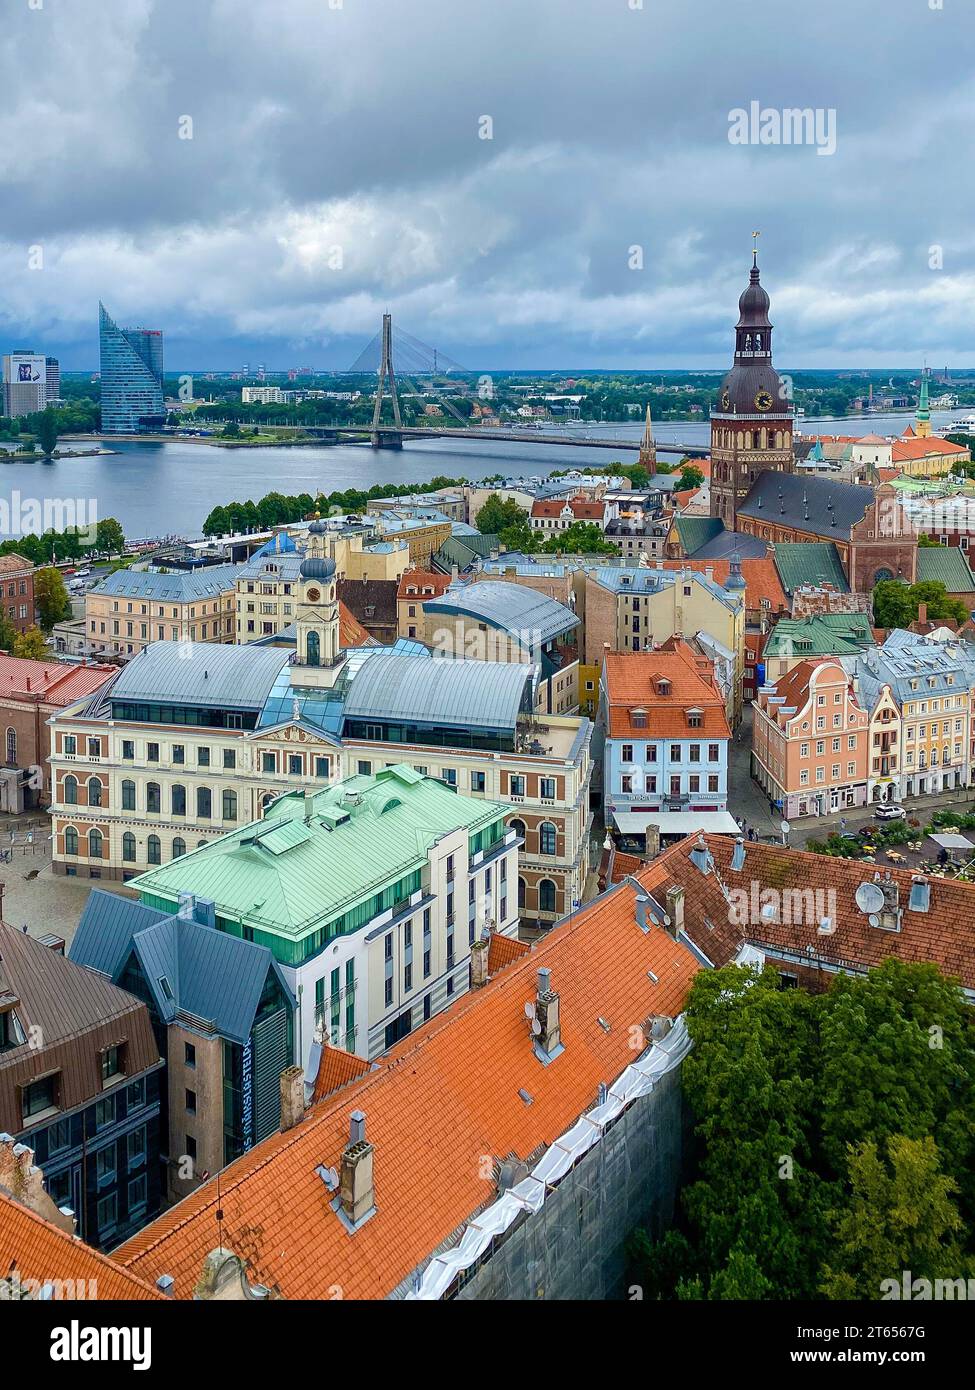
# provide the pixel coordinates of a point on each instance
(313, 595)
(725, 399)
(763, 401)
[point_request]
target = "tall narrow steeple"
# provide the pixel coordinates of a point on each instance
(922, 416)
(648, 448)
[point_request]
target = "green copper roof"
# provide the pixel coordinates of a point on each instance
(290, 875)
(825, 634)
(695, 531)
(809, 562)
(947, 563)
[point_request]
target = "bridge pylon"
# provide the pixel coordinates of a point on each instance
(386, 439)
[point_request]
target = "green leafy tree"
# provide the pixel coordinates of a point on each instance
(901, 1217)
(109, 536)
(30, 644)
(520, 537)
(496, 515)
(581, 538)
(8, 633)
(231, 430)
(217, 523)
(51, 597)
(892, 605)
(47, 431)
(690, 478)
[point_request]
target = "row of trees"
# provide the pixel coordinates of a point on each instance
(73, 544)
(506, 519)
(276, 509)
(835, 1142)
(895, 604)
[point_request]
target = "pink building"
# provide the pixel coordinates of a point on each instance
(811, 741)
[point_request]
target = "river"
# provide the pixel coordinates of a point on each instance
(163, 489)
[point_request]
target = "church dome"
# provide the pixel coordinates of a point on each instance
(318, 528)
(753, 304)
(315, 567)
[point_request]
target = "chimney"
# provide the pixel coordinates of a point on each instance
(642, 910)
(675, 909)
(309, 806)
(28, 682)
(549, 1040)
(479, 963)
(922, 617)
(166, 1285)
(292, 1096)
(357, 1197)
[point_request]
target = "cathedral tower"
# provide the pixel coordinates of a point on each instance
(648, 447)
(317, 622)
(751, 428)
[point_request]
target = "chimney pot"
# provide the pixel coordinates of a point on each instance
(357, 1194)
(292, 1096)
(357, 1127)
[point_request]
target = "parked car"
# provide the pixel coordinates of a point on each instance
(890, 813)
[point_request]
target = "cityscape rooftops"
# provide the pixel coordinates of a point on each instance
(486, 1093)
(437, 690)
(820, 506)
(49, 682)
(663, 686)
(311, 860)
(822, 634)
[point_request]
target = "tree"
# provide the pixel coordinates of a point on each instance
(521, 538)
(30, 644)
(8, 633)
(47, 431)
(691, 477)
(109, 536)
(581, 538)
(496, 514)
(901, 1217)
(231, 430)
(892, 605)
(217, 523)
(51, 597)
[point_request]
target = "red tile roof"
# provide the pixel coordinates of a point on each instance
(631, 680)
(420, 584)
(504, 951)
(582, 509)
(434, 1108)
(53, 682)
(37, 1250)
(759, 573)
(904, 449)
(12, 562)
(351, 631)
(337, 1068)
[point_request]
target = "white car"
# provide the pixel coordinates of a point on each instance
(889, 813)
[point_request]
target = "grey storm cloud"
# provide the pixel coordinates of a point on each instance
(336, 169)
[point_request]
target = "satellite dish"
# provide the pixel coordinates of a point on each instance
(536, 1028)
(874, 920)
(530, 1009)
(869, 898)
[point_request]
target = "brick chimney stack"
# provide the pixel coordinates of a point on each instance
(292, 1096)
(357, 1193)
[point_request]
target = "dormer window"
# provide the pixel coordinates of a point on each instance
(639, 718)
(663, 686)
(695, 718)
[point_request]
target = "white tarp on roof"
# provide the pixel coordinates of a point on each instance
(952, 841)
(636, 1080)
(676, 822)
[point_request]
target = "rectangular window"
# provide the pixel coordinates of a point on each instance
(39, 1096)
(203, 757)
(229, 758)
(135, 1147)
(478, 782)
(179, 753)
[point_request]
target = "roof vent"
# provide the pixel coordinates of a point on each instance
(738, 857)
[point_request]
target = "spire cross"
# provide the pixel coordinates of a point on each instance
(755, 236)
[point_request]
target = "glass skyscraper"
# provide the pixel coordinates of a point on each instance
(131, 377)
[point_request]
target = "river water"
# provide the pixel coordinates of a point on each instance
(165, 489)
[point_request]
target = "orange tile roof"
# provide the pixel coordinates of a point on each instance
(434, 1108)
(420, 580)
(759, 573)
(351, 631)
(53, 682)
(582, 509)
(336, 1068)
(904, 449)
(13, 561)
(503, 951)
(945, 934)
(37, 1250)
(630, 677)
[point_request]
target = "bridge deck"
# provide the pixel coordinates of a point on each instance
(515, 437)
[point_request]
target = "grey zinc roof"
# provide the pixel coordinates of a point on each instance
(182, 586)
(820, 506)
(514, 608)
(201, 673)
(424, 690)
(280, 565)
(211, 975)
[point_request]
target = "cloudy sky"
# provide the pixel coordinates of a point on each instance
(337, 166)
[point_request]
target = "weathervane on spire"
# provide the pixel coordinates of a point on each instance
(755, 236)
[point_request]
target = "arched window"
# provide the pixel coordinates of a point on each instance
(313, 650)
(153, 798)
(94, 792)
(201, 844)
(11, 747)
(518, 826)
(94, 844)
(204, 803)
(179, 847)
(128, 847)
(154, 850)
(882, 575)
(266, 800)
(128, 795)
(178, 795)
(546, 838)
(546, 895)
(71, 840)
(521, 892)
(229, 807)
(70, 790)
